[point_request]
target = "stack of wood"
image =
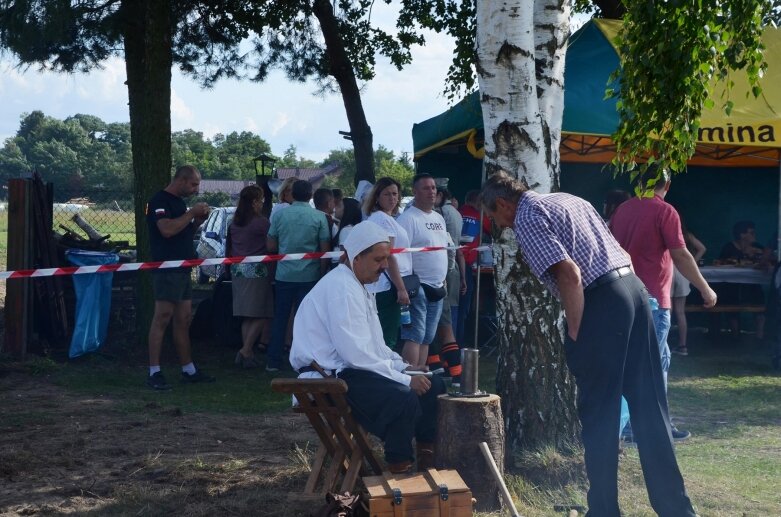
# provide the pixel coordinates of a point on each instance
(51, 321)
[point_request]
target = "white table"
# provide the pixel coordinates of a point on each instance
(735, 275)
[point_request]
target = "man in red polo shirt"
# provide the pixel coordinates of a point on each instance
(649, 229)
(470, 239)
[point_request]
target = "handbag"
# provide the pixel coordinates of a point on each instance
(411, 283)
(434, 294)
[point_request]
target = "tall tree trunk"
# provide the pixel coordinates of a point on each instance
(341, 69)
(520, 65)
(148, 59)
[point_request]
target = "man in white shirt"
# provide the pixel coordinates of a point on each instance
(337, 326)
(425, 227)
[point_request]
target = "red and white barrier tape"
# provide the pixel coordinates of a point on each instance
(170, 264)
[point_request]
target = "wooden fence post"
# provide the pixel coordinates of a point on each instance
(18, 297)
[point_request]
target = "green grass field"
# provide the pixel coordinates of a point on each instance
(728, 397)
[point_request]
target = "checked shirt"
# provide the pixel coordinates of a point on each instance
(551, 228)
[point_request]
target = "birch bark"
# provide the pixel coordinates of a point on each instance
(521, 46)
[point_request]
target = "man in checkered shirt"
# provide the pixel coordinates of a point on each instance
(610, 341)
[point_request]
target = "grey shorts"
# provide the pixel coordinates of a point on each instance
(172, 286)
(681, 287)
(445, 319)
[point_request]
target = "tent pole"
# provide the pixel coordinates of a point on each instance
(477, 262)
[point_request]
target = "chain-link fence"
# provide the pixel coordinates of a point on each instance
(95, 214)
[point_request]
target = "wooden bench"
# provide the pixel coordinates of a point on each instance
(344, 449)
(726, 308)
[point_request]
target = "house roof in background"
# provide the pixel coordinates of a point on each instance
(309, 174)
(230, 187)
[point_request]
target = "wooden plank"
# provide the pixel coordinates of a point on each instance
(19, 244)
(291, 386)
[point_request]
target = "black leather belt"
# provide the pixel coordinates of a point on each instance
(608, 277)
(307, 369)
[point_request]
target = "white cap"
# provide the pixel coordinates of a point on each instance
(362, 237)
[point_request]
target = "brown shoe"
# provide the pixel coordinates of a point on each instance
(403, 467)
(425, 455)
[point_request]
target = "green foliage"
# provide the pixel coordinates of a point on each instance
(385, 164)
(79, 151)
(286, 35)
(79, 36)
(84, 152)
(458, 19)
(223, 157)
(672, 52)
(773, 14)
(291, 160)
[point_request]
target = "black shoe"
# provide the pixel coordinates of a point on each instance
(157, 382)
(678, 435)
(246, 362)
(198, 376)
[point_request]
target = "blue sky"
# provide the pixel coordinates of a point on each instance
(281, 112)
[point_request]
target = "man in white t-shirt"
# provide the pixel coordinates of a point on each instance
(424, 227)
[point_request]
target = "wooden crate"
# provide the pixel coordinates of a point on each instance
(428, 494)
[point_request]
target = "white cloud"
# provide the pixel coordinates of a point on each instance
(250, 124)
(281, 120)
(181, 114)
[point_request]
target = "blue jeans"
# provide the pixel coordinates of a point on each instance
(425, 318)
(286, 296)
(662, 328)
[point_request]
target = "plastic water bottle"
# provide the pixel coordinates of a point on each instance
(654, 303)
(406, 319)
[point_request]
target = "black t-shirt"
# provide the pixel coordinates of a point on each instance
(731, 252)
(165, 205)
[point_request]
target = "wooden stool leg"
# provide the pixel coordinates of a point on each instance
(337, 464)
(356, 462)
(317, 468)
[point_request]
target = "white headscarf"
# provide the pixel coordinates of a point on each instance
(363, 236)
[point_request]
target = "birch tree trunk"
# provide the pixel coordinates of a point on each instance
(521, 46)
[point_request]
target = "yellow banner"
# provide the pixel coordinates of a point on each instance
(753, 121)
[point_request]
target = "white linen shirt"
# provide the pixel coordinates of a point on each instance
(337, 326)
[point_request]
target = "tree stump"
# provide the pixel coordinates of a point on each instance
(462, 423)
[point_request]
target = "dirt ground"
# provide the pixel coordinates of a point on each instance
(66, 454)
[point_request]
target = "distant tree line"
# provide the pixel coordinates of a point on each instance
(83, 153)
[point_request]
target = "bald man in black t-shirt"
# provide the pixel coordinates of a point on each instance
(171, 228)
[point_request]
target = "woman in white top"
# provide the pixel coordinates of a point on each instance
(381, 205)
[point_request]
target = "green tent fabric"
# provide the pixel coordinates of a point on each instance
(746, 138)
(590, 61)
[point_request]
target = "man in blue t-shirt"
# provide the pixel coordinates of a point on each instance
(171, 228)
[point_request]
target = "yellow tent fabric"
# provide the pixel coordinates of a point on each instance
(749, 136)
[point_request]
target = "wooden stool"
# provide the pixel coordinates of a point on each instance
(463, 423)
(342, 440)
